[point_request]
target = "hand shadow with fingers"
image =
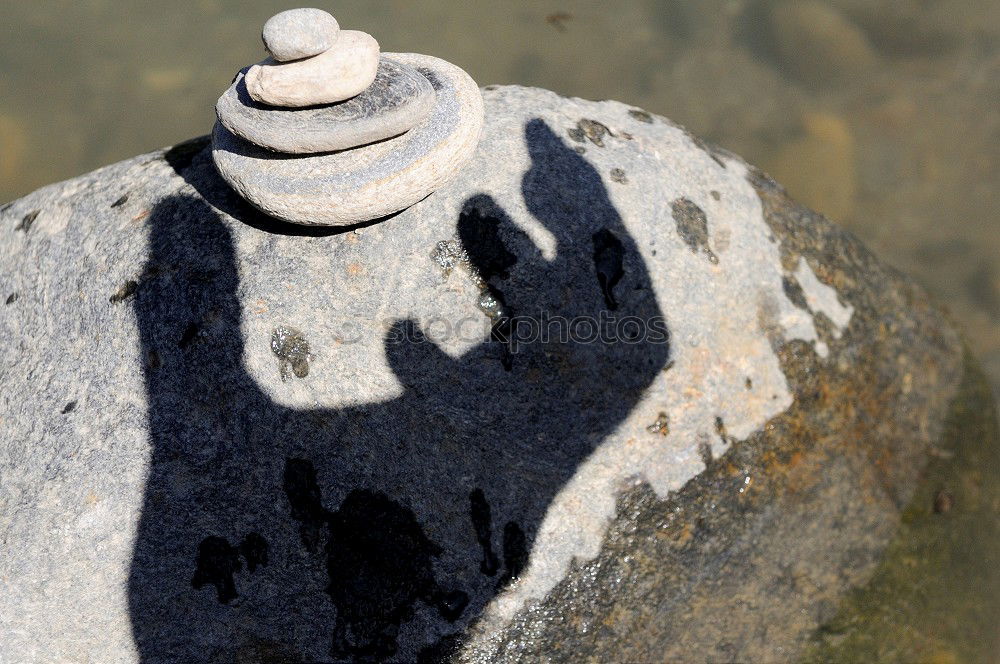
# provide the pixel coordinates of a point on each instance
(371, 527)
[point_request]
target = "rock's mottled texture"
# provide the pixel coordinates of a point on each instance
(399, 99)
(341, 72)
(224, 438)
(299, 33)
(358, 185)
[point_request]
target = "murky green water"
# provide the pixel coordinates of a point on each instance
(885, 115)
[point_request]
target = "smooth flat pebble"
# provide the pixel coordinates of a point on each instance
(339, 73)
(398, 100)
(352, 186)
(299, 33)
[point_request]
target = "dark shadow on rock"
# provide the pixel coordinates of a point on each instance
(192, 160)
(366, 533)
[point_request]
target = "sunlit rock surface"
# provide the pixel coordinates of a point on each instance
(609, 395)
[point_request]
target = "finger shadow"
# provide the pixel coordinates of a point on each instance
(379, 531)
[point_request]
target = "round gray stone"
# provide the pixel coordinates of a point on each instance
(351, 186)
(398, 100)
(299, 33)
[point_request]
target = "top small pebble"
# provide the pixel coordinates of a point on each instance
(299, 33)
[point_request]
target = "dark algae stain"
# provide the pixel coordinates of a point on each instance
(482, 522)
(379, 563)
(126, 291)
(12, 298)
(515, 553)
(594, 131)
(218, 561)
(254, 550)
(618, 175)
(69, 407)
(692, 226)
(121, 201)
(641, 115)
(306, 502)
(292, 350)
(216, 564)
(356, 531)
(27, 220)
(609, 257)
(793, 291)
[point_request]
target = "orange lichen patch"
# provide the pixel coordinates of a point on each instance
(355, 269)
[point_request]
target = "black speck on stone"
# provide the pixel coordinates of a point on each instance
(121, 201)
(692, 226)
(27, 220)
(618, 175)
(12, 298)
(641, 115)
(216, 564)
(609, 259)
(126, 291)
(69, 407)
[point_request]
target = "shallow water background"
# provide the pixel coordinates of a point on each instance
(885, 115)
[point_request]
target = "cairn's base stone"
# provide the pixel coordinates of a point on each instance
(218, 442)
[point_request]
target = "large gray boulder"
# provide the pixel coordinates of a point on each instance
(224, 438)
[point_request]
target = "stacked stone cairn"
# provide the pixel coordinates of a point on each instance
(329, 132)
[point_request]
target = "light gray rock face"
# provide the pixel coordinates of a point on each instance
(398, 100)
(369, 182)
(299, 33)
(225, 438)
(339, 73)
